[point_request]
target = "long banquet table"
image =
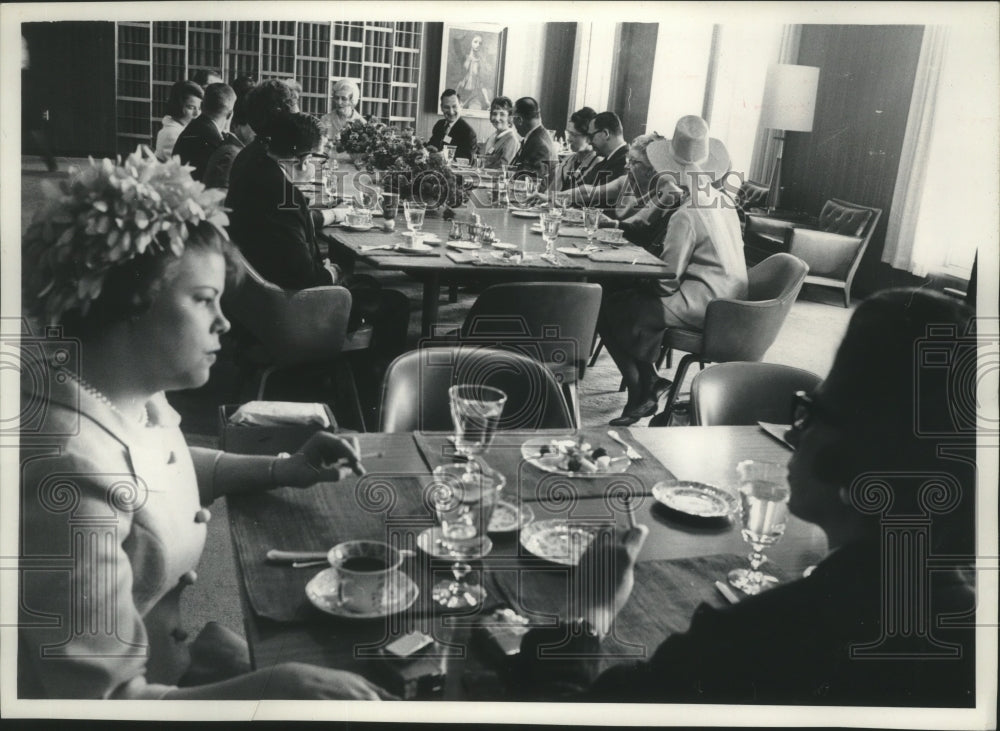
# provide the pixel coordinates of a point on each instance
(676, 570)
(437, 268)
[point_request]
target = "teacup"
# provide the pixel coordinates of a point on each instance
(358, 217)
(366, 574)
(613, 236)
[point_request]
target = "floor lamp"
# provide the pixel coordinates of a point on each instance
(788, 106)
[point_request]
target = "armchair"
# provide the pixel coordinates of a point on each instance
(832, 246)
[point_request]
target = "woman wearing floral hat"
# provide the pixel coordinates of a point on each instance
(130, 261)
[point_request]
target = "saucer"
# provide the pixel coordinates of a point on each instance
(524, 213)
(424, 237)
(696, 499)
(509, 517)
(502, 245)
(322, 592)
(418, 247)
(359, 228)
(465, 245)
(431, 542)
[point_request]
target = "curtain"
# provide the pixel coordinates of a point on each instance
(908, 193)
(765, 149)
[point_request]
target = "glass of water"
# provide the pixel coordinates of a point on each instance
(591, 222)
(550, 232)
(414, 215)
(764, 495)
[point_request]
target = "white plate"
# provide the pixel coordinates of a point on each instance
(414, 247)
(464, 245)
(363, 227)
(572, 251)
(532, 451)
(424, 238)
(557, 540)
(696, 499)
(524, 213)
(507, 517)
(505, 247)
(431, 542)
(322, 593)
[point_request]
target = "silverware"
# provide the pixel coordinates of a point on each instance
(728, 593)
(365, 249)
(308, 564)
(630, 452)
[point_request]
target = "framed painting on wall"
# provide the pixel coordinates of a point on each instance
(472, 61)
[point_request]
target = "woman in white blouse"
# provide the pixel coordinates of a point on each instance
(501, 146)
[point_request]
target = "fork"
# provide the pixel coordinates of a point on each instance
(630, 452)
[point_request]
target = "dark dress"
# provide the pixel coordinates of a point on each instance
(196, 143)
(789, 645)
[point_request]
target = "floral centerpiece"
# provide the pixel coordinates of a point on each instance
(359, 137)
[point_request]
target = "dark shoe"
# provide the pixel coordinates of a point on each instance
(646, 408)
(661, 387)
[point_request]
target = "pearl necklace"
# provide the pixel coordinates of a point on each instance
(144, 417)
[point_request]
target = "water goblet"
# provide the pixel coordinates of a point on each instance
(463, 501)
(414, 215)
(550, 232)
(764, 495)
(591, 222)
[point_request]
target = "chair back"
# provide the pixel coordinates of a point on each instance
(741, 394)
(552, 322)
(849, 219)
(293, 326)
(751, 195)
(745, 329)
(415, 389)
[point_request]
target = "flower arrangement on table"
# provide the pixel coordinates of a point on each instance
(106, 214)
(406, 165)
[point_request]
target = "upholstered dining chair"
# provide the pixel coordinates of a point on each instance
(552, 322)
(280, 329)
(415, 389)
(832, 247)
(741, 393)
(738, 330)
(751, 195)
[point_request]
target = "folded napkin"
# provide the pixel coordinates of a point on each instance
(561, 262)
(280, 413)
(632, 255)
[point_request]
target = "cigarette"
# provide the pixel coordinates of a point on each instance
(630, 513)
(727, 593)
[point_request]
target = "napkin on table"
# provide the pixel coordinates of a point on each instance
(280, 413)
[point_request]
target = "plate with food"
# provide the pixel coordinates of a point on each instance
(557, 540)
(575, 457)
(525, 212)
(415, 248)
(504, 246)
(696, 499)
(508, 516)
(464, 245)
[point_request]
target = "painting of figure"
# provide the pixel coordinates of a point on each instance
(472, 64)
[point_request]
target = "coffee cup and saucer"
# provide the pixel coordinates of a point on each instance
(364, 581)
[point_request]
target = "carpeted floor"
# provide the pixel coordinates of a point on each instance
(807, 340)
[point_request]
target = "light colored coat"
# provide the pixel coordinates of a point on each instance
(112, 531)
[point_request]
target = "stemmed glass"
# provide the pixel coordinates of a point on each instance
(591, 222)
(414, 215)
(465, 494)
(764, 501)
(464, 501)
(550, 232)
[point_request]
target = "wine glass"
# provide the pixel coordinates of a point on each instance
(550, 232)
(414, 215)
(475, 413)
(764, 501)
(591, 222)
(464, 501)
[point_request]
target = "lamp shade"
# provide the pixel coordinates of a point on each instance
(789, 97)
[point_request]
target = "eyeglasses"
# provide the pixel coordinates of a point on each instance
(805, 408)
(591, 135)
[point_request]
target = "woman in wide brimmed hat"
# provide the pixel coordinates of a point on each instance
(704, 248)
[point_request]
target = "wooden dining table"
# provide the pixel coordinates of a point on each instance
(682, 558)
(446, 265)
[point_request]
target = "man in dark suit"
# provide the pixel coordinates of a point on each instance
(537, 154)
(869, 625)
(606, 136)
(207, 131)
(453, 130)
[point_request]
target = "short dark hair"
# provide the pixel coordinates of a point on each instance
(580, 119)
(294, 133)
(267, 100)
(242, 85)
(608, 121)
(450, 92)
(200, 76)
(219, 98)
(527, 108)
(180, 91)
(502, 102)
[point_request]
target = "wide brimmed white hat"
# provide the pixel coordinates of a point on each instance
(690, 149)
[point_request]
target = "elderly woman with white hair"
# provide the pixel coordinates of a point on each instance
(346, 95)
